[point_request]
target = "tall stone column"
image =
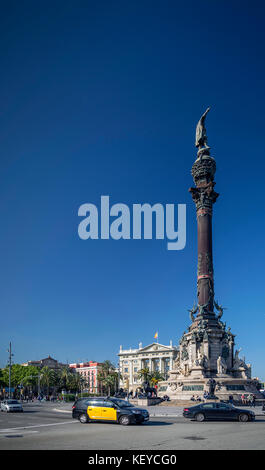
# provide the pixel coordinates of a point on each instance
(204, 196)
(131, 372)
(150, 365)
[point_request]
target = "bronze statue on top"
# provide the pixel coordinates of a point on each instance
(201, 137)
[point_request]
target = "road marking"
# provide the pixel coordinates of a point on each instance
(62, 411)
(24, 433)
(37, 426)
(164, 416)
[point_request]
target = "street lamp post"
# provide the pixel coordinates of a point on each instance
(119, 374)
(39, 376)
(10, 367)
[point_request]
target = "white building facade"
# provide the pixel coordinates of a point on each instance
(155, 356)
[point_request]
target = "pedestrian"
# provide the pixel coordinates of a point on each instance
(254, 400)
(230, 399)
(249, 399)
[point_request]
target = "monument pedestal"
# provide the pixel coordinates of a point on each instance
(183, 388)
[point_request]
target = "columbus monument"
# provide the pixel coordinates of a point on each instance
(206, 358)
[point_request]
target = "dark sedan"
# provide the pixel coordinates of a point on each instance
(218, 411)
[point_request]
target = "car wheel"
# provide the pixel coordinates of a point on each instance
(83, 418)
(124, 420)
(200, 417)
(243, 417)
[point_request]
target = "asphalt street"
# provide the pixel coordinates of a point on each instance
(40, 426)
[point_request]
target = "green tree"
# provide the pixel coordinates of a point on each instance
(152, 378)
(65, 377)
(19, 374)
(108, 378)
(47, 378)
(155, 377)
(76, 382)
(2, 381)
(144, 374)
(107, 367)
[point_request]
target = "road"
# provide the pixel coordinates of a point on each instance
(41, 427)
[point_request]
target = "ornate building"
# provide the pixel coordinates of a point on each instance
(46, 362)
(206, 360)
(155, 356)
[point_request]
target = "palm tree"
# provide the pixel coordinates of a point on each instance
(109, 381)
(107, 367)
(155, 377)
(144, 374)
(47, 377)
(76, 382)
(65, 377)
(108, 377)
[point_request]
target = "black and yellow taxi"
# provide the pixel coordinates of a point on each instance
(108, 409)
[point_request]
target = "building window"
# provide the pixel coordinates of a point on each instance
(126, 369)
(193, 388)
(235, 387)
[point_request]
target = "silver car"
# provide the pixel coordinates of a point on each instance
(10, 405)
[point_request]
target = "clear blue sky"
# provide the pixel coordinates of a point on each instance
(102, 98)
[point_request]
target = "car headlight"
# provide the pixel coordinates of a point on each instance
(136, 412)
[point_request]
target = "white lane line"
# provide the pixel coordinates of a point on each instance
(62, 411)
(24, 432)
(38, 426)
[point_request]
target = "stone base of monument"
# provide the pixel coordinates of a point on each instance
(148, 401)
(185, 387)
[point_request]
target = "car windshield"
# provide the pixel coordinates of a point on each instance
(12, 402)
(122, 403)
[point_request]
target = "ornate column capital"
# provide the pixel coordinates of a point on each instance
(204, 197)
